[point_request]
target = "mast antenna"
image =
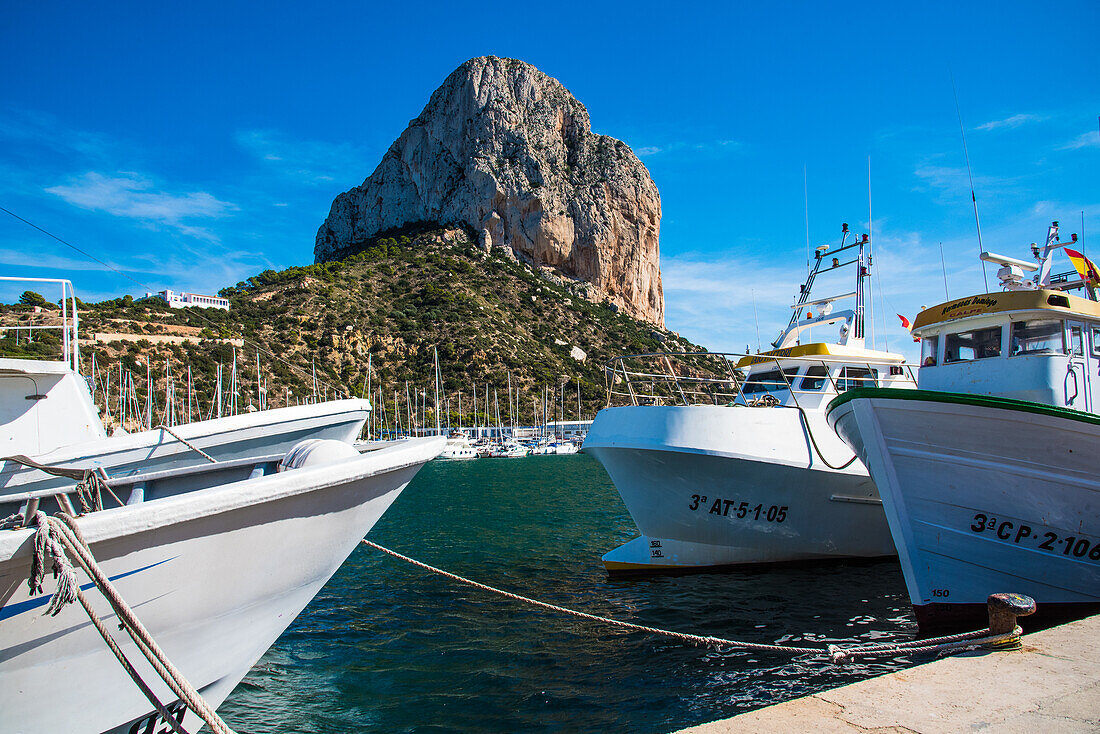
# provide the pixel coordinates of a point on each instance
(946, 294)
(756, 316)
(973, 198)
(806, 210)
(871, 261)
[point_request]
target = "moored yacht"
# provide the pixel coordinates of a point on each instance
(508, 449)
(755, 476)
(987, 472)
(458, 446)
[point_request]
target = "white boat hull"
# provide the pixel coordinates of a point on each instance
(216, 575)
(233, 437)
(983, 496)
(715, 486)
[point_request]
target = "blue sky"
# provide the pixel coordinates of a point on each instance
(192, 146)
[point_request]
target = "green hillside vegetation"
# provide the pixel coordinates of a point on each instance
(391, 302)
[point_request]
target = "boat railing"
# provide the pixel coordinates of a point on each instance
(713, 378)
(66, 322)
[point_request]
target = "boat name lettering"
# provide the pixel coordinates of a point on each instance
(739, 510)
(968, 306)
(784, 352)
(148, 725)
(1019, 532)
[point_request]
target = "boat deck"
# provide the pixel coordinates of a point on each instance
(1051, 684)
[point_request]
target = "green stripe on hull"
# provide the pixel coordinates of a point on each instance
(983, 401)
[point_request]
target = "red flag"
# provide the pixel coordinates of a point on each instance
(905, 322)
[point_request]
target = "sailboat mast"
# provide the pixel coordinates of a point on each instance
(435, 351)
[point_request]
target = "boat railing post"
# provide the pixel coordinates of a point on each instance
(1004, 609)
(829, 374)
(787, 381)
(629, 385)
(734, 380)
(912, 379)
(675, 378)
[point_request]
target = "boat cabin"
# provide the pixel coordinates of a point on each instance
(1038, 345)
(807, 375)
(1033, 341)
(810, 375)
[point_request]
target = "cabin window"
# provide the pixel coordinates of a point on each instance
(815, 378)
(1095, 340)
(968, 345)
(768, 381)
(1076, 340)
(929, 350)
(856, 377)
(1038, 337)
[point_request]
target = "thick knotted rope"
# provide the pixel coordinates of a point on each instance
(835, 653)
(55, 537)
(90, 483)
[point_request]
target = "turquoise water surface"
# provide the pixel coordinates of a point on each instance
(387, 647)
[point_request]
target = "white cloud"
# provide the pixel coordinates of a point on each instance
(17, 257)
(311, 162)
(681, 146)
(1084, 140)
(132, 196)
(709, 299)
(1010, 122)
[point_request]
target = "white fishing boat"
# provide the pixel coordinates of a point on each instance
(988, 471)
(542, 447)
(216, 560)
(553, 447)
(726, 460)
(47, 412)
(458, 447)
(564, 448)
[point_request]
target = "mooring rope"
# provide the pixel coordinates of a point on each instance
(55, 537)
(186, 443)
(836, 653)
(810, 433)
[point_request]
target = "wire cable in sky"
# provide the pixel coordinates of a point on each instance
(149, 289)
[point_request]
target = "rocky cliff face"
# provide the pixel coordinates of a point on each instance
(506, 150)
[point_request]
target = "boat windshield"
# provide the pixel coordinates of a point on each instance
(977, 344)
(1038, 337)
(929, 346)
(815, 379)
(856, 377)
(771, 381)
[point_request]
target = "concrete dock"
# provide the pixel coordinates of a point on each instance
(1050, 685)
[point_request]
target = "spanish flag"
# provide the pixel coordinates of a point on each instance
(1085, 268)
(908, 326)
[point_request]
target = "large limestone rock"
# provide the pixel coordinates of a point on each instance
(506, 150)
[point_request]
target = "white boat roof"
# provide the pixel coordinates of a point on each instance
(12, 365)
(822, 351)
(1043, 301)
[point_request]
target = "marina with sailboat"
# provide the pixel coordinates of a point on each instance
(358, 374)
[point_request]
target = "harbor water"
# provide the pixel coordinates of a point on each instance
(387, 647)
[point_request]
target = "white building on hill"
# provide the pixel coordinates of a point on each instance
(185, 300)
